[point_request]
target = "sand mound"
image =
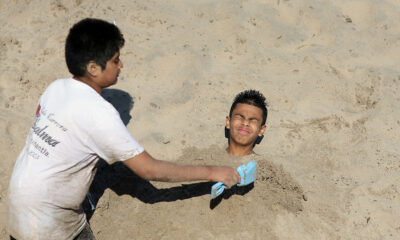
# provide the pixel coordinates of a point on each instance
(186, 211)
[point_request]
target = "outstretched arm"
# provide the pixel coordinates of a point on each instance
(149, 168)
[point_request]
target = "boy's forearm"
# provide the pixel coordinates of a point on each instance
(156, 170)
(151, 169)
(171, 172)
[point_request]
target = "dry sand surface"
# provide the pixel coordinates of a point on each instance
(328, 167)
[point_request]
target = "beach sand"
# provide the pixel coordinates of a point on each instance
(329, 162)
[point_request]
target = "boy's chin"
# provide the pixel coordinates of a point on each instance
(242, 142)
(113, 82)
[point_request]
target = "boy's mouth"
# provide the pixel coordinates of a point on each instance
(241, 130)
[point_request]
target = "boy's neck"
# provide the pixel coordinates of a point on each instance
(89, 82)
(239, 151)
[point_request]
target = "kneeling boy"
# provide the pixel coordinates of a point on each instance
(73, 128)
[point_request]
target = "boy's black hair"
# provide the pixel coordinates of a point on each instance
(251, 97)
(91, 40)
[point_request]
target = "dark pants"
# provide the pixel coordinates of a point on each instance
(86, 234)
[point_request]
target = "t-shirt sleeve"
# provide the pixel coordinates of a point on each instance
(109, 138)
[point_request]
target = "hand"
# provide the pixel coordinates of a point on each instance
(227, 175)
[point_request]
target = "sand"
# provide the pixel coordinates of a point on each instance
(329, 161)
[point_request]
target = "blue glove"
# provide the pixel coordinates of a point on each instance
(248, 174)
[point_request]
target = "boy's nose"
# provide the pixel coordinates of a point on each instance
(121, 65)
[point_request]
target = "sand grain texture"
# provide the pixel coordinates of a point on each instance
(328, 69)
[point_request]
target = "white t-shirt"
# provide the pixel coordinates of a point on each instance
(73, 127)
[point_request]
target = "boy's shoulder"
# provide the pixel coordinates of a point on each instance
(76, 97)
(251, 157)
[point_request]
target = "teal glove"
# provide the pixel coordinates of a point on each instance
(248, 174)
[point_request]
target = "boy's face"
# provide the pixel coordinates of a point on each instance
(245, 124)
(109, 75)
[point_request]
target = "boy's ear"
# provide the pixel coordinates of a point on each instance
(262, 130)
(93, 69)
(228, 120)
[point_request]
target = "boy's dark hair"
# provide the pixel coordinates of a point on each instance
(91, 40)
(251, 97)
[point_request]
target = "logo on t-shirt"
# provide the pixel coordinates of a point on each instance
(44, 133)
(38, 111)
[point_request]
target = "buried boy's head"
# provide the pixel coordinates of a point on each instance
(246, 122)
(91, 40)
